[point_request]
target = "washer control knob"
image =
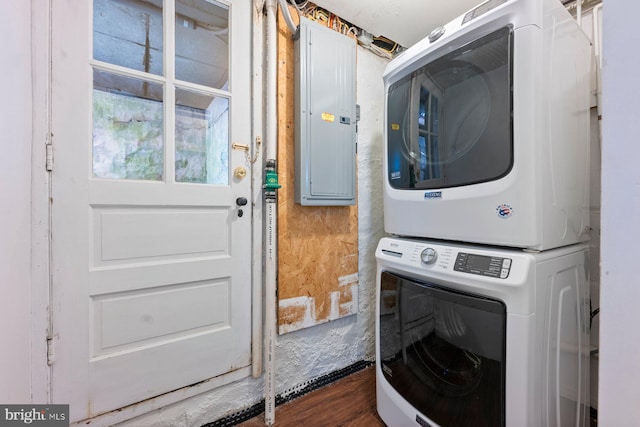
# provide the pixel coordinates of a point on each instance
(429, 256)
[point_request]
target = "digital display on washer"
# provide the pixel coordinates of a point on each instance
(483, 265)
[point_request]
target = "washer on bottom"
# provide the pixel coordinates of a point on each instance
(480, 336)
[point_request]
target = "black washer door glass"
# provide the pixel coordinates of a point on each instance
(444, 351)
(450, 122)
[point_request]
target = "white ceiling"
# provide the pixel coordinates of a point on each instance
(403, 21)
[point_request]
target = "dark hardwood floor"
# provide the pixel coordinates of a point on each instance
(349, 402)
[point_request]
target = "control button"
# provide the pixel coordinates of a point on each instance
(504, 273)
(506, 263)
(429, 256)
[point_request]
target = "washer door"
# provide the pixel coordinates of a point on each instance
(444, 351)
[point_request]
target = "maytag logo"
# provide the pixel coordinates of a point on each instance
(433, 195)
(422, 422)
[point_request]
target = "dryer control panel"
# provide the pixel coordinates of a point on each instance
(483, 265)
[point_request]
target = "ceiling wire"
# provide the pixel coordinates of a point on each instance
(379, 45)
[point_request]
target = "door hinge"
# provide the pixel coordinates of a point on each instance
(49, 161)
(51, 351)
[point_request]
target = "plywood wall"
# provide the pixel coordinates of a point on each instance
(317, 246)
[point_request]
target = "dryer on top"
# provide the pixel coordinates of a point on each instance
(487, 129)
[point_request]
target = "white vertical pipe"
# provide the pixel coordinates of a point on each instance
(272, 75)
(271, 217)
(257, 300)
(598, 55)
(596, 34)
(579, 12)
(270, 315)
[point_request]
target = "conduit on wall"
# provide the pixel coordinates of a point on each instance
(270, 195)
(271, 198)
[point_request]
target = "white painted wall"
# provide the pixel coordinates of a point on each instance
(312, 352)
(619, 388)
(15, 198)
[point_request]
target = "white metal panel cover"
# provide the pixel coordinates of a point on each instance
(325, 116)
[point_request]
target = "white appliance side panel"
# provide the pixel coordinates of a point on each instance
(563, 339)
(565, 157)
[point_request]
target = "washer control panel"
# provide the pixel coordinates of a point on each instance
(436, 257)
(483, 265)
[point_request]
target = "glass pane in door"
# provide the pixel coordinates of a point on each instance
(202, 138)
(202, 43)
(128, 121)
(129, 33)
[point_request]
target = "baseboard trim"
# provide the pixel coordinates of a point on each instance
(291, 394)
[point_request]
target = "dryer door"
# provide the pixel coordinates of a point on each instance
(444, 351)
(450, 122)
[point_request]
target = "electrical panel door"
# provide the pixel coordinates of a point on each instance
(325, 103)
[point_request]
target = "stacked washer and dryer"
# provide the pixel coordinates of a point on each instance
(483, 298)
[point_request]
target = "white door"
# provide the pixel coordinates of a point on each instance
(151, 251)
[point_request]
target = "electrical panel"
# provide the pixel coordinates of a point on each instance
(325, 115)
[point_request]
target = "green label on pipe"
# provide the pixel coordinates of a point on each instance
(271, 181)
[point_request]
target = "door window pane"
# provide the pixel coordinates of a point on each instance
(202, 138)
(128, 33)
(127, 128)
(202, 43)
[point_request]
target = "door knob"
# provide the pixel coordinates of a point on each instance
(241, 201)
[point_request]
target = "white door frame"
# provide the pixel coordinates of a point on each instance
(40, 204)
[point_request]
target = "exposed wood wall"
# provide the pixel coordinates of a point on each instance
(317, 246)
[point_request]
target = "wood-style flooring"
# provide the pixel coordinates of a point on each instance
(349, 402)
